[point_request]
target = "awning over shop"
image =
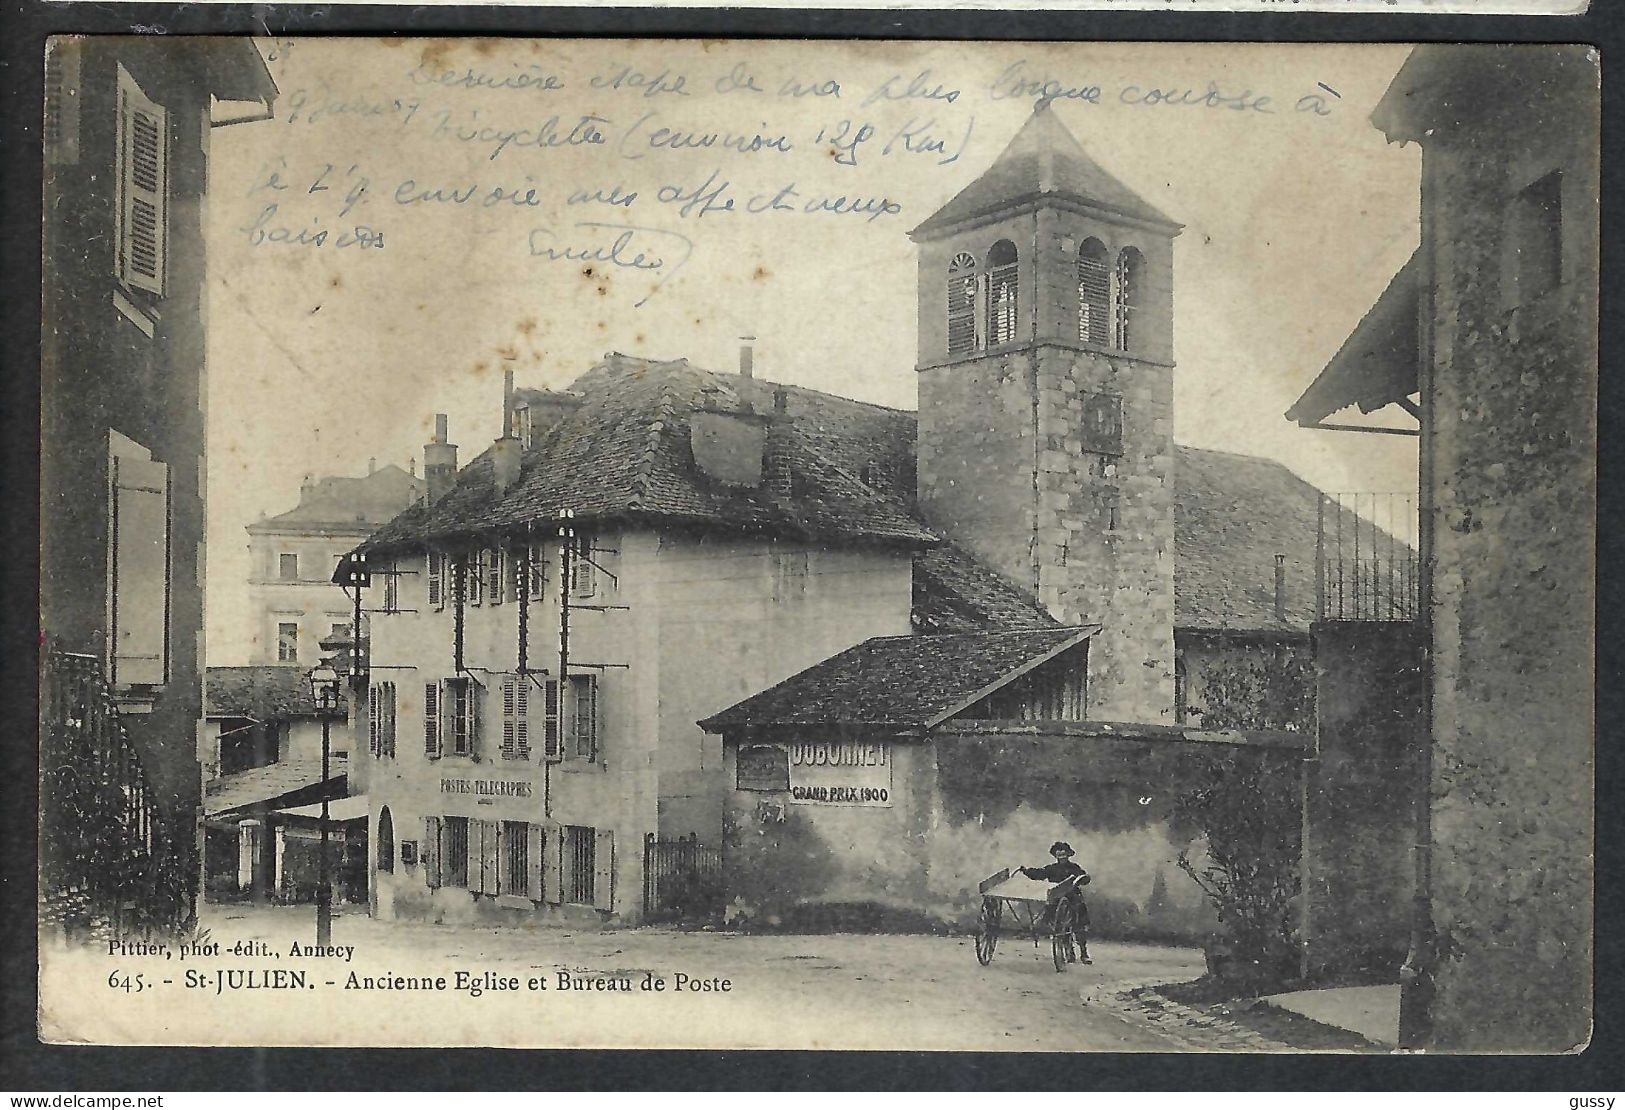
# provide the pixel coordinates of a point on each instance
(353, 808)
(1377, 365)
(293, 781)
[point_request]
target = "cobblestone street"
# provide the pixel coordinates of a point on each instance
(784, 992)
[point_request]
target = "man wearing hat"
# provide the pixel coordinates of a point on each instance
(1058, 872)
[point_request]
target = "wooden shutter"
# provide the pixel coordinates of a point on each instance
(436, 579)
(498, 567)
(476, 856)
(551, 727)
(389, 719)
(141, 214)
(374, 712)
(474, 576)
(476, 696)
(534, 835)
(431, 720)
(140, 570)
(603, 869)
(430, 852)
(538, 571)
(583, 575)
(62, 100)
(521, 717)
(509, 696)
(553, 865)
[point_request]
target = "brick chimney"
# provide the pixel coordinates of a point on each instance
(747, 357)
(506, 453)
(439, 461)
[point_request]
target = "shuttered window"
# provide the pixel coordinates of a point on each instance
(583, 574)
(962, 337)
(516, 718)
(1002, 307)
(431, 720)
(381, 720)
(497, 568)
(141, 172)
(474, 577)
(436, 579)
(579, 863)
(138, 565)
(62, 101)
(1094, 294)
(433, 858)
(552, 727)
(513, 872)
(454, 840)
(392, 587)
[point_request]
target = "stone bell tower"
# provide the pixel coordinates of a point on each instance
(1046, 399)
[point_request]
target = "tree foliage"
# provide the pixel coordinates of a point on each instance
(1249, 822)
(1257, 690)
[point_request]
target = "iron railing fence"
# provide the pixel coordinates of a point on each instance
(1367, 563)
(682, 879)
(113, 864)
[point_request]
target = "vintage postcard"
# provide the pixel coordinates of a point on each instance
(906, 545)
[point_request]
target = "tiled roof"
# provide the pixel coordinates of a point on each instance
(264, 693)
(624, 454)
(1042, 161)
(1232, 515)
(953, 592)
(274, 780)
(900, 681)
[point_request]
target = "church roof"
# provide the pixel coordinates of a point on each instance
(1043, 161)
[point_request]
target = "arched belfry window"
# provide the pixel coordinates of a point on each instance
(1001, 293)
(962, 304)
(1094, 293)
(1130, 279)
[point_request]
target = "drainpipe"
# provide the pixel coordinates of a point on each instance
(1416, 976)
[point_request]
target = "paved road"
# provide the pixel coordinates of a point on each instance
(829, 991)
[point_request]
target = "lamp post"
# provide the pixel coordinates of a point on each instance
(324, 690)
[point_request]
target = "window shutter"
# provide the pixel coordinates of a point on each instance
(474, 577)
(553, 866)
(583, 575)
(140, 570)
(476, 857)
(534, 836)
(374, 711)
(476, 695)
(498, 568)
(389, 720)
(521, 717)
(437, 580)
(62, 101)
(551, 747)
(431, 720)
(141, 214)
(508, 698)
(430, 855)
(603, 874)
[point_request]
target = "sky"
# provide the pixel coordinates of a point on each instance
(422, 214)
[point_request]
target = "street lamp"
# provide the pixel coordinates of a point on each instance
(324, 691)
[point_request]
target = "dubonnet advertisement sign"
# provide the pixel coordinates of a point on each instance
(840, 773)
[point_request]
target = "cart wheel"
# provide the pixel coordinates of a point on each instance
(987, 936)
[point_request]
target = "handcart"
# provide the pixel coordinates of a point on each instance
(1032, 908)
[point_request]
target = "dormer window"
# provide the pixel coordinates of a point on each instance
(962, 338)
(1094, 293)
(1002, 275)
(1130, 272)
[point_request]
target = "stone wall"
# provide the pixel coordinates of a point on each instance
(1512, 463)
(1362, 796)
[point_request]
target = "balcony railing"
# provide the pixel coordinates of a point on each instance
(112, 863)
(1367, 566)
